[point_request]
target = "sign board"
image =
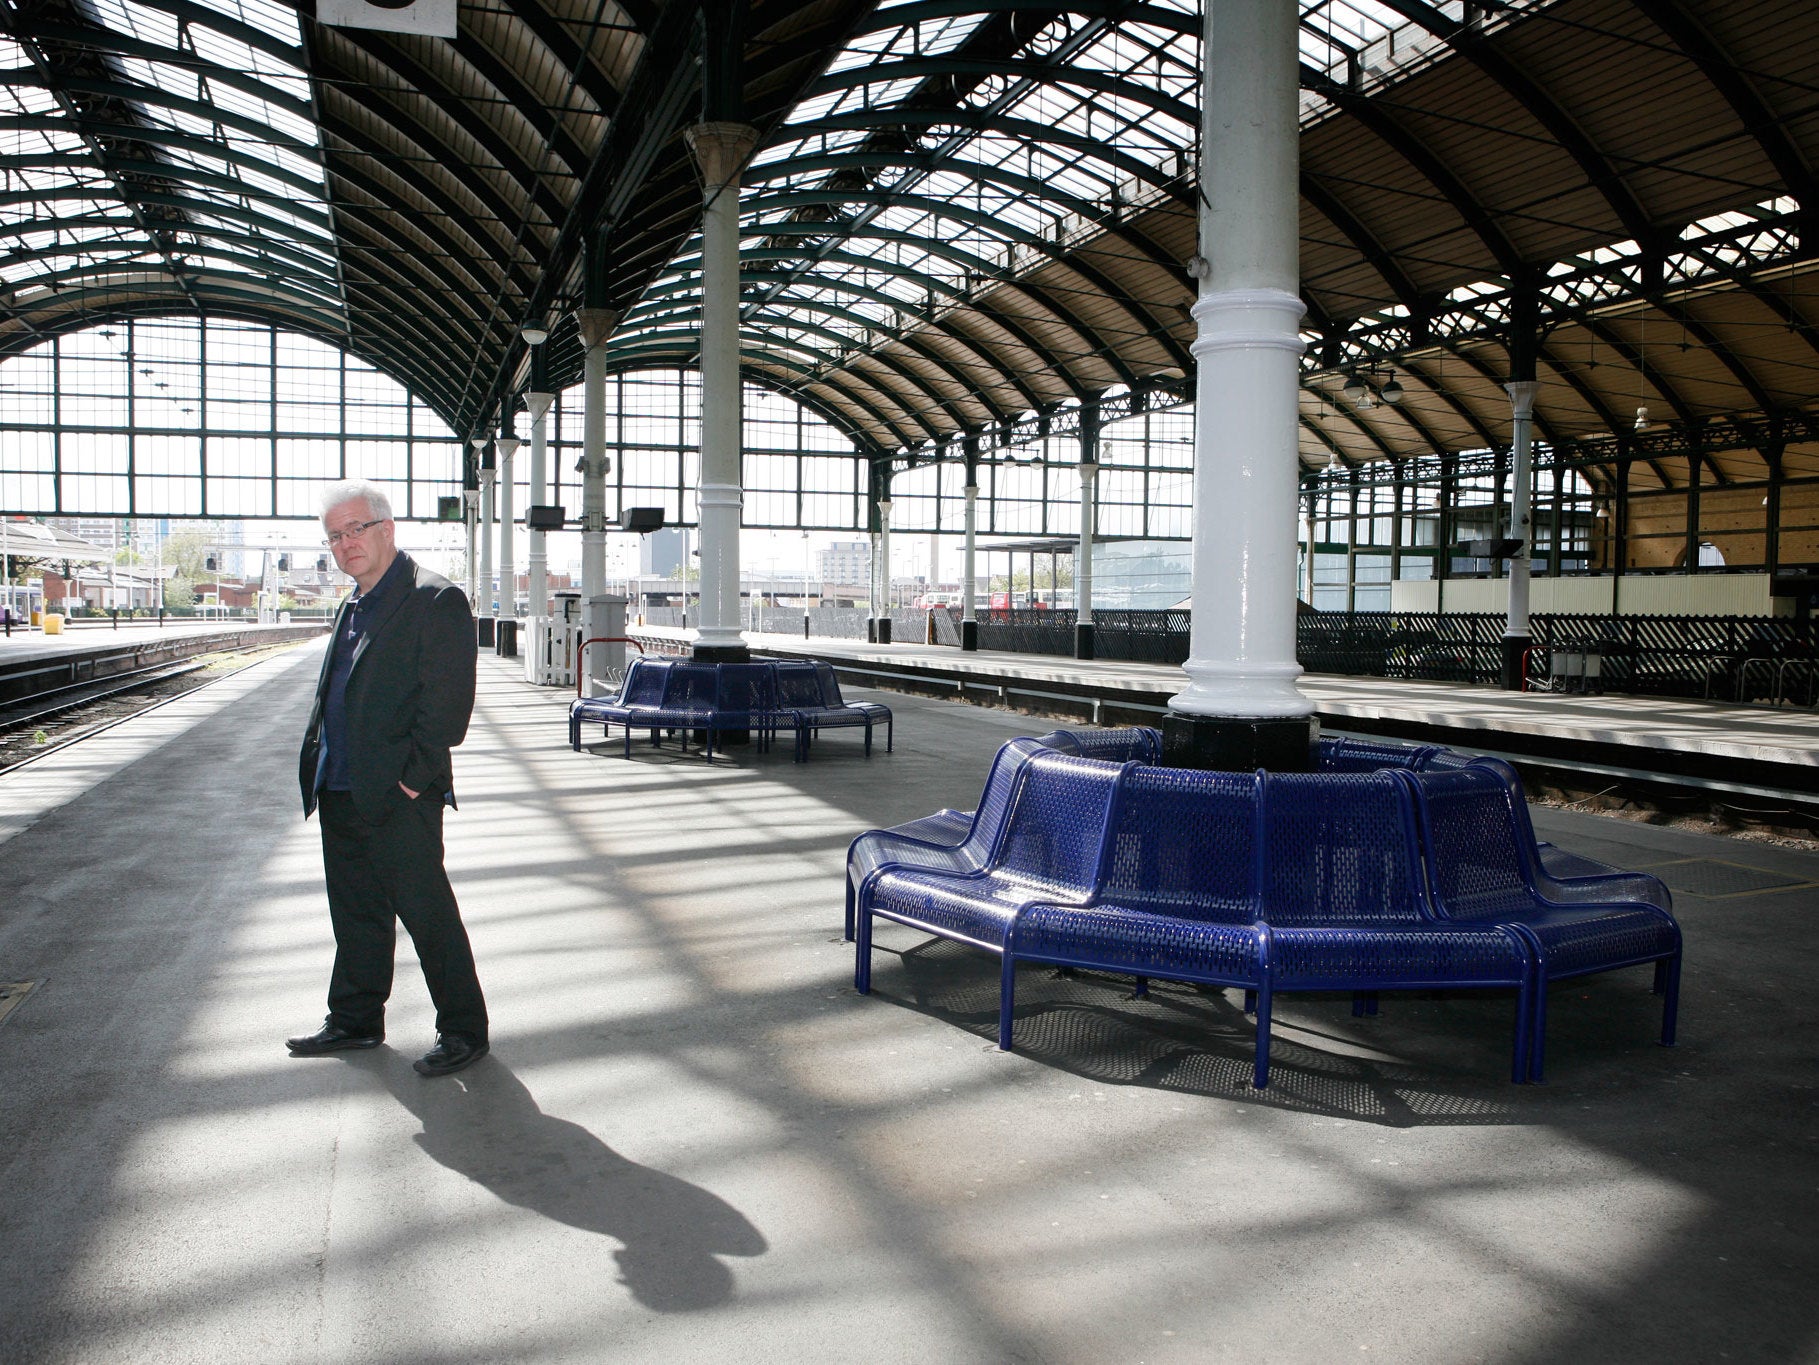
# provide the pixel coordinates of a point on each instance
(426, 18)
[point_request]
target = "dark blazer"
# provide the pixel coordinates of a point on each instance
(409, 697)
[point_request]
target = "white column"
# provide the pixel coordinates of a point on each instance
(484, 609)
(969, 571)
(508, 566)
(1083, 557)
(1307, 524)
(596, 325)
(720, 149)
(1522, 425)
(1241, 661)
(884, 570)
(538, 405)
(470, 508)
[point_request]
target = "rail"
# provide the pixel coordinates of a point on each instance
(581, 655)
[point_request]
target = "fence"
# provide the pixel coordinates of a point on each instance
(1731, 658)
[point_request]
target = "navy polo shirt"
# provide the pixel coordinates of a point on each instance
(332, 774)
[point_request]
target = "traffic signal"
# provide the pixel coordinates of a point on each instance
(284, 563)
(321, 563)
(211, 564)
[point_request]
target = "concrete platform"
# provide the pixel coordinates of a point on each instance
(1749, 749)
(33, 662)
(694, 1142)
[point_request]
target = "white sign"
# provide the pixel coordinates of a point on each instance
(428, 18)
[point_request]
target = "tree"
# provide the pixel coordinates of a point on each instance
(179, 592)
(185, 551)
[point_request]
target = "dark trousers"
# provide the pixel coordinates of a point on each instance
(379, 874)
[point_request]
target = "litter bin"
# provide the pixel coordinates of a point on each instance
(53, 623)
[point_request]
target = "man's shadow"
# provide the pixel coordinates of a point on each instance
(486, 1126)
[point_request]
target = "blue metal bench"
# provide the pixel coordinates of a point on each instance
(759, 698)
(1270, 883)
(680, 695)
(1476, 844)
(1558, 874)
(953, 839)
(1047, 848)
(808, 693)
(1264, 882)
(640, 695)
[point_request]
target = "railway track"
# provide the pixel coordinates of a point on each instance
(54, 718)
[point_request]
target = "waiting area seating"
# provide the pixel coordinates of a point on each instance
(1390, 867)
(683, 696)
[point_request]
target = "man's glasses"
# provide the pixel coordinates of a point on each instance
(351, 533)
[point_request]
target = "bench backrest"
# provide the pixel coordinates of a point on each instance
(830, 685)
(744, 689)
(1183, 844)
(995, 801)
(1056, 828)
(1121, 745)
(798, 685)
(644, 683)
(1346, 754)
(690, 684)
(1338, 847)
(1478, 852)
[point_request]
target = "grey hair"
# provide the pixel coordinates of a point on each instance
(354, 490)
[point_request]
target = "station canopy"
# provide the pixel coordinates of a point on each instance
(961, 218)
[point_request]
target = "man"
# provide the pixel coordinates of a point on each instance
(395, 695)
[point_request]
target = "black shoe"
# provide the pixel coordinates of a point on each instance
(451, 1053)
(332, 1038)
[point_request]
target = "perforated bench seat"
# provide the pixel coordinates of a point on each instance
(1358, 881)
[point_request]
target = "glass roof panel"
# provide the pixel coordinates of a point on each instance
(244, 67)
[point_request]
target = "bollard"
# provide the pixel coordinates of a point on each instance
(115, 613)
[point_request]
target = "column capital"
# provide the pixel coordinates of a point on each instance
(596, 325)
(721, 148)
(1522, 396)
(508, 446)
(971, 491)
(537, 404)
(1089, 470)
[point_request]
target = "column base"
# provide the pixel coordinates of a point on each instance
(969, 636)
(1238, 744)
(1083, 640)
(483, 631)
(720, 654)
(871, 630)
(884, 630)
(1515, 663)
(505, 639)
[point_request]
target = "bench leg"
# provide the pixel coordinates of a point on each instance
(1364, 1003)
(574, 733)
(1250, 1002)
(1670, 1003)
(1007, 994)
(1537, 1027)
(890, 735)
(868, 737)
(1519, 1060)
(846, 933)
(862, 950)
(1141, 989)
(1260, 1072)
